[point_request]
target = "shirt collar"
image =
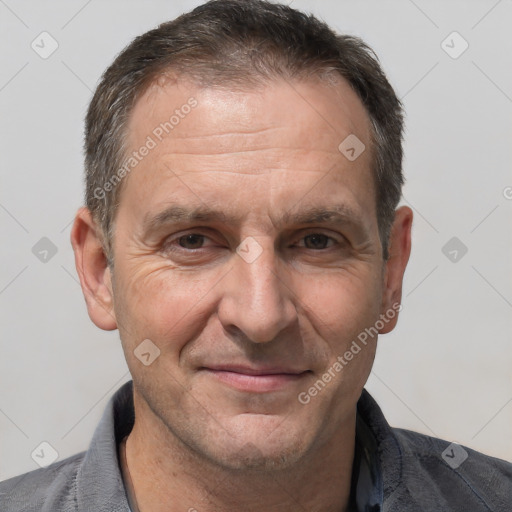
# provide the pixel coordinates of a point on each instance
(366, 489)
(99, 483)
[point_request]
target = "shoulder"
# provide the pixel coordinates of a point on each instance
(417, 472)
(89, 480)
(50, 488)
(453, 473)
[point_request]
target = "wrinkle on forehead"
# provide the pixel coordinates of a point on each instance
(335, 111)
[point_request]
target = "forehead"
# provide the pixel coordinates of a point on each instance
(315, 109)
(210, 145)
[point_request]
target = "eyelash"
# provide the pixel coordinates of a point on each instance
(170, 247)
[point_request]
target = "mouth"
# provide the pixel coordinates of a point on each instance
(256, 380)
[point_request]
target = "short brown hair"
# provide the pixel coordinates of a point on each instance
(239, 42)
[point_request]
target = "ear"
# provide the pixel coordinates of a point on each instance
(399, 251)
(91, 265)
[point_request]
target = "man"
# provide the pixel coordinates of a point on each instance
(243, 168)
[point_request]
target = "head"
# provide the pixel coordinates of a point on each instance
(243, 169)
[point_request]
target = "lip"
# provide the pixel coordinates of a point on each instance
(256, 380)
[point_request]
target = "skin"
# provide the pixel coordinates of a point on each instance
(254, 155)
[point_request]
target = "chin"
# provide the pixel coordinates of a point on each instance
(258, 447)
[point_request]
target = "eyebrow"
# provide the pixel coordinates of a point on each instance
(340, 214)
(175, 214)
(336, 215)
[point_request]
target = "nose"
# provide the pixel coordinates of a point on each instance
(256, 299)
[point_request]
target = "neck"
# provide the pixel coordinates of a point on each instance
(167, 475)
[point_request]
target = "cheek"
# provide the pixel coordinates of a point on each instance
(163, 304)
(341, 306)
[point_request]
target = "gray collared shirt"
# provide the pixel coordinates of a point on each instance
(394, 470)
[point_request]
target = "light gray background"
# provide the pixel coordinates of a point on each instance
(445, 370)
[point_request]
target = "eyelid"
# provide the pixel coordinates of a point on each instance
(335, 235)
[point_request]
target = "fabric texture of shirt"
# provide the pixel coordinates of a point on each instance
(394, 470)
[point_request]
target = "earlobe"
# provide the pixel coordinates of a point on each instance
(93, 271)
(399, 252)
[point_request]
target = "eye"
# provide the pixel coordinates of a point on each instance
(191, 241)
(188, 243)
(318, 241)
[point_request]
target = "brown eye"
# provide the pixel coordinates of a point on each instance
(316, 241)
(192, 241)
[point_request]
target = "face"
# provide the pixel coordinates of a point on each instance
(247, 251)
